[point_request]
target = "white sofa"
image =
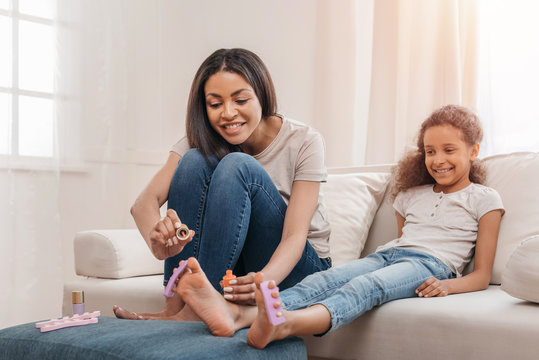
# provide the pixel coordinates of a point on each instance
(117, 268)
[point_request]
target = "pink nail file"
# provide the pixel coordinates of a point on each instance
(272, 300)
(172, 281)
(75, 320)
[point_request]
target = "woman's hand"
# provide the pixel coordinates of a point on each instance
(241, 290)
(432, 287)
(163, 240)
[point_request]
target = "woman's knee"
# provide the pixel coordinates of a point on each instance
(193, 159)
(237, 163)
(192, 170)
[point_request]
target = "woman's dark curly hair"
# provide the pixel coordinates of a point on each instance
(411, 170)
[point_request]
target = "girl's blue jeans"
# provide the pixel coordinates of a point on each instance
(237, 214)
(349, 290)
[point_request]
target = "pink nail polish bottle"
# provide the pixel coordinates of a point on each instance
(77, 298)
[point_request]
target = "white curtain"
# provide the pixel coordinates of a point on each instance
(509, 75)
(31, 273)
(481, 54)
(424, 56)
(342, 78)
(31, 261)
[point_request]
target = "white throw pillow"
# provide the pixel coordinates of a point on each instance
(514, 176)
(521, 275)
(352, 201)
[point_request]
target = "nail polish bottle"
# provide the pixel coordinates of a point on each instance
(229, 276)
(77, 298)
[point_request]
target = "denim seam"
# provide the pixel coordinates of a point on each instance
(261, 187)
(199, 225)
(240, 225)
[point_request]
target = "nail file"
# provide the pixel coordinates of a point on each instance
(171, 285)
(75, 320)
(272, 300)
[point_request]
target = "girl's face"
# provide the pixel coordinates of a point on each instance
(233, 108)
(448, 158)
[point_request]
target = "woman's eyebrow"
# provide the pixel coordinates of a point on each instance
(233, 94)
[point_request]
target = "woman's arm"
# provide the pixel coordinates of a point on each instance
(479, 278)
(297, 220)
(147, 216)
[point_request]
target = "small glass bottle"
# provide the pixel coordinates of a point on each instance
(77, 298)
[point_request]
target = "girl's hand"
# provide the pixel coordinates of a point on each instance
(432, 287)
(163, 240)
(241, 290)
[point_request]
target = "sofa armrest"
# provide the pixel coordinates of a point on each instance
(114, 254)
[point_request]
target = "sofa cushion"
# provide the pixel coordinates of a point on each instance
(521, 275)
(117, 339)
(114, 254)
(486, 324)
(352, 200)
(514, 176)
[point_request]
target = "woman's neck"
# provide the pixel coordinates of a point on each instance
(262, 137)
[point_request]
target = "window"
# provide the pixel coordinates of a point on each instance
(27, 77)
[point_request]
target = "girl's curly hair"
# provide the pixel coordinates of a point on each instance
(411, 170)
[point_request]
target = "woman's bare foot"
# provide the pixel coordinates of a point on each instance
(262, 332)
(173, 307)
(222, 317)
(126, 314)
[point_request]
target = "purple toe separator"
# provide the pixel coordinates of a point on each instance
(269, 301)
(172, 281)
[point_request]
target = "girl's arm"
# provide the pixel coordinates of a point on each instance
(147, 216)
(400, 223)
(479, 278)
(300, 210)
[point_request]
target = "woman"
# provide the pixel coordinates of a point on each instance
(245, 179)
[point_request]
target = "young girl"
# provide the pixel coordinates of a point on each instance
(245, 180)
(442, 214)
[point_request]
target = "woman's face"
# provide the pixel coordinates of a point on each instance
(233, 107)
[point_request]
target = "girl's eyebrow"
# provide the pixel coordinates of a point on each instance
(233, 94)
(446, 144)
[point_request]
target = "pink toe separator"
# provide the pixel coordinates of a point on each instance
(171, 285)
(75, 320)
(273, 304)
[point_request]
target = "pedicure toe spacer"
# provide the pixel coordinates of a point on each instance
(272, 301)
(75, 320)
(172, 281)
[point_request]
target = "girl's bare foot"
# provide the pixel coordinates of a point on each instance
(220, 316)
(262, 332)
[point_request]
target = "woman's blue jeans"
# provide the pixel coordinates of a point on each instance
(349, 290)
(237, 214)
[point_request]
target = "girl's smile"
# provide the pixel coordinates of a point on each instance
(448, 158)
